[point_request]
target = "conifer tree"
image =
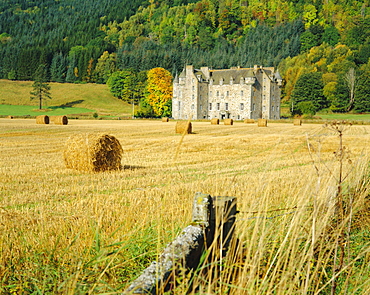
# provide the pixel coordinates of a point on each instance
(41, 89)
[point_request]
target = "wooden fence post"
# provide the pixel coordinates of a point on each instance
(212, 218)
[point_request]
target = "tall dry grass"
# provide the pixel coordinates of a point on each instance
(69, 232)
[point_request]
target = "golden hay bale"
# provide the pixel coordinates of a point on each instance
(93, 152)
(10, 117)
(42, 119)
(228, 121)
(249, 121)
(215, 121)
(297, 122)
(165, 119)
(183, 127)
(262, 123)
(60, 120)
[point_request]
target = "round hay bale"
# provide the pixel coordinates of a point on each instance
(165, 119)
(60, 120)
(93, 152)
(297, 122)
(262, 123)
(228, 121)
(10, 117)
(42, 119)
(183, 127)
(249, 121)
(215, 121)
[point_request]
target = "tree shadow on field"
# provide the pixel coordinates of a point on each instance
(132, 167)
(68, 104)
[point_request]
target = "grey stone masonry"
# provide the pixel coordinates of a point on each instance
(213, 223)
(236, 93)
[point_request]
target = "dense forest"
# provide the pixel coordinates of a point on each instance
(321, 48)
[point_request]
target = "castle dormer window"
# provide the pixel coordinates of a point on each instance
(231, 81)
(221, 81)
(241, 80)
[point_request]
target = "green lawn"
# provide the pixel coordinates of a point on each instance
(18, 110)
(67, 99)
(349, 117)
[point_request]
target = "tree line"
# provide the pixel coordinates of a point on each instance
(313, 43)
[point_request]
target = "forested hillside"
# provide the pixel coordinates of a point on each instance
(324, 42)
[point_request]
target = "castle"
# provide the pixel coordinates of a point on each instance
(236, 93)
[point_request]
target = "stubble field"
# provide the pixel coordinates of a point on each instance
(70, 232)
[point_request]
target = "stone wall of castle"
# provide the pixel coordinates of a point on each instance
(196, 96)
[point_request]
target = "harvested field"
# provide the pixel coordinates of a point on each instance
(73, 232)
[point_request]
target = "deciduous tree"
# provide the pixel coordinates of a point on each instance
(308, 94)
(159, 89)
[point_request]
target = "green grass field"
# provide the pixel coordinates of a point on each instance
(67, 99)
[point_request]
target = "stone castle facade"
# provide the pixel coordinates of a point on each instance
(236, 93)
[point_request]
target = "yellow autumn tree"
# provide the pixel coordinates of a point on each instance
(159, 91)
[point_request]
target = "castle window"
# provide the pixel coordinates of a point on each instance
(218, 93)
(226, 106)
(241, 93)
(231, 81)
(201, 107)
(254, 107)
(210, 106)
(221, 81)
(193, 96)
(242, 106)
(192, 107)
(227, 93)
(272, 108)
(277, 108)
(264, 88)
(264, 97)
(210, 94)
(193, 88)
(264, 108)
(179, 105)
(218, 106)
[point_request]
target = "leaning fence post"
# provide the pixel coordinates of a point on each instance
(211, 216)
